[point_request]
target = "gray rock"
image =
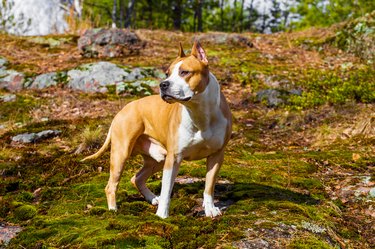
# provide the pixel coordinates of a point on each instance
(109, 43)
(295, 92)
(276, 97)
(271, 96)
(256, 243)
(8, 97)
(25, 138)
(372, 193)
(35, 137)
(45, 80)
(96, 77)
(11, 80)
(3, 62)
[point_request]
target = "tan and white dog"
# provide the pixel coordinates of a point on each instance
(190, 120)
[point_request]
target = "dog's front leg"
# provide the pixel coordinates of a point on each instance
(214, 163)
(170, 172)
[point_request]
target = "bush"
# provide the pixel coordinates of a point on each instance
(320, 87)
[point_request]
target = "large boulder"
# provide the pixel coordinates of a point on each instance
(97, 77)
(109, 43)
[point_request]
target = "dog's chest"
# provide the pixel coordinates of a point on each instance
(194, 143)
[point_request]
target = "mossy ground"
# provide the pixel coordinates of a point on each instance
(274, 183)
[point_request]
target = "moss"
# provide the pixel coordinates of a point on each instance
(25, 212)
(98, 210)
(309, 242)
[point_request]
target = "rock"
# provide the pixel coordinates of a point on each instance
(35, 137)
(8, 232)
(11, 80)
(223, 38)
(3, 62)
(8, 97)
(257, 243)
(372, 192)
(109, 43)
(271, 96)
(25, 138)
(45, 80)
(276, 97)
(96, 77)
(47, 134)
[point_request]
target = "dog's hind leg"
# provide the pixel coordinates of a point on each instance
(122, 143)
(150, 167)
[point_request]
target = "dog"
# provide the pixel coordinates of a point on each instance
(190, 120)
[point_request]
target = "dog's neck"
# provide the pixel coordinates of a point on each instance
(203, 107)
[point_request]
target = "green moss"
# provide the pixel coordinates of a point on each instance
(25, 212)
(309, 242)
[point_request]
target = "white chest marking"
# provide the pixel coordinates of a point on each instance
(194, 143)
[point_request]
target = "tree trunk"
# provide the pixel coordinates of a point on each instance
(114, 14)
(122, 12)
(150, 12)
(241, 15)
(264, 19)
(251, 12)
(199, 15)
(234, 17)
(177, 14)
(129, 14)
(222, 14)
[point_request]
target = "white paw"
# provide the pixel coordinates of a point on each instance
(162, 213)
(113, 209)
(155, 201)
(211, 211)
(209, 207)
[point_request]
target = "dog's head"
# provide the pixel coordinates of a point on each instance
(187, 76)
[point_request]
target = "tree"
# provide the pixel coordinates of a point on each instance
(129, 13)
(275, 20)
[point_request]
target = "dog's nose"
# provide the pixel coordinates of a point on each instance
(164, 85)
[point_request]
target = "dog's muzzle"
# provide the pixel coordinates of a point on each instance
(169, 97)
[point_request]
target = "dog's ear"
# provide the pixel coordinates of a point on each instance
(199, 52)
(181, 51)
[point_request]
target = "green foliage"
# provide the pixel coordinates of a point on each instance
(25, 212)
(324, 13)
(358, 37)
(320, 87)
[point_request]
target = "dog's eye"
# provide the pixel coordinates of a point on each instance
(166, 74)
(184, 73)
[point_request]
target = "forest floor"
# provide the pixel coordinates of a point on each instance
(300, 175)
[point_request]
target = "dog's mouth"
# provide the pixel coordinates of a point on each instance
(169, 98)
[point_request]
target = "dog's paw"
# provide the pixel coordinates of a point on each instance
(162, 213)
(155, 201)
(211, 211)
(209, 207)
(114, 209)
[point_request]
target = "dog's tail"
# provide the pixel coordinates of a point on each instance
(102, 149)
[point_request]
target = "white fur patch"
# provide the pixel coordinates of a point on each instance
(157, 152)
(209, 207)
(178, 86)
